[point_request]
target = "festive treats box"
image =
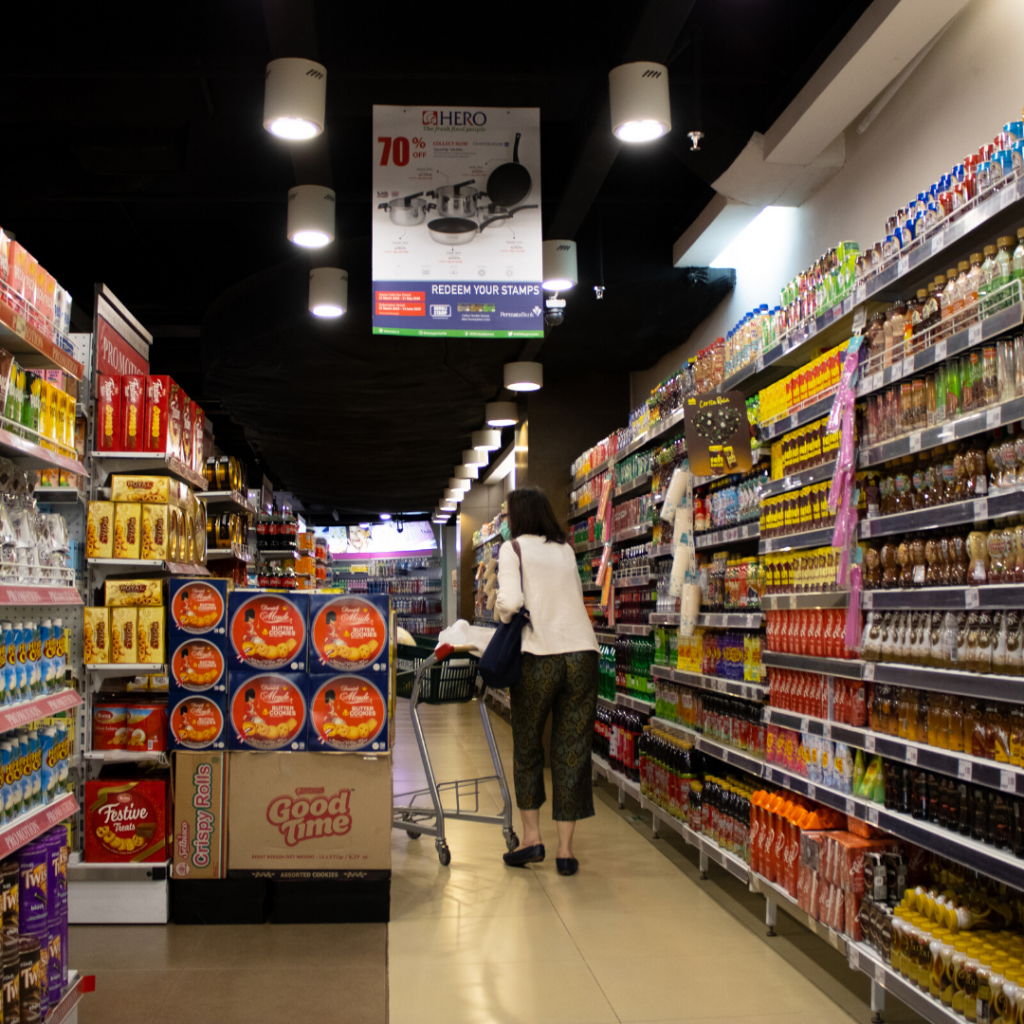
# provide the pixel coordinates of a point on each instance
(267, 711)
(126, 820)
(323, 813)
(197, 721)
(348, 712)
(348, 633)
(267, 631)
(200, 788)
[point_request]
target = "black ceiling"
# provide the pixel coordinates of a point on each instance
(135, 155)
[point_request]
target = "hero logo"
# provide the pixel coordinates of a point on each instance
(299, 820)
(440, 311)
(455, 117)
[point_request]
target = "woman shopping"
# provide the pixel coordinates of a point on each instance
(560, 661)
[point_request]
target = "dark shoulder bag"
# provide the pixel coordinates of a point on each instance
(502, 663)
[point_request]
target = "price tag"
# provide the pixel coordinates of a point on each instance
(914, 441)
(872, 815)
(867, 599)
(974, 334)
(833, 938)
(911, 755)
(1008, 782)
(865, 528)
(972, 599)
(826, 731)
(869, 743)
(759, 363)
(852, 956)
(804, 723)
(963, 771)
(878, 380)
(938, 242)
(812, 329)
(869, 671)
(908, 367)
(1007, 198)
(903, 267)
(879, 973)
(860, 293)
(792, 600)
(851, 806)
(980, 508)
(847, 304)
(812, 793)
(860, 318)
(940, 350)
(993, 418)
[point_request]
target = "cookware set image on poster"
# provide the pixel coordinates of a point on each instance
(457, 222)
(717, 434)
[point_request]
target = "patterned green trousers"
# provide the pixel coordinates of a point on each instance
(566, 686)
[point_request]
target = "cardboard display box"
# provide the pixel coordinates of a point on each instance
(348, 633)
(200, 788)
(267, 711)
(309, 816)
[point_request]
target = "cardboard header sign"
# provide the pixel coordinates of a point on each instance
(717, 434)
(122, 343)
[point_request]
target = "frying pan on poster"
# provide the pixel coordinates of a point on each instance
(408, 212)
(510, 183)
(461, 230)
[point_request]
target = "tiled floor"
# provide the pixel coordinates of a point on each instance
(634, 937)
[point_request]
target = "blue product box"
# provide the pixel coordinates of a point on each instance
(196, 608)
(197, 721)
(349, 633)
(266, 631)
(267, 710)
(348, 711)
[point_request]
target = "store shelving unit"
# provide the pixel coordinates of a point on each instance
(781, 602)
(797, 541)
(732, 688)
(729, 535)
(234, 501)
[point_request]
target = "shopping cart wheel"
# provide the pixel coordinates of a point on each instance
(414, 835)
(511, 841)
(444, 855)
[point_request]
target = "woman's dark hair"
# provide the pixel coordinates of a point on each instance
(529, 511)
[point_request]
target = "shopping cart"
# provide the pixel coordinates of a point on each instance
(446, 675)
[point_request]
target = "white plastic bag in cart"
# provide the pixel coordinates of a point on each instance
(462, 634)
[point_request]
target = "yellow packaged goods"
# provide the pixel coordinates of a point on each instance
(123, 643)
(99, 533)
(151, 635)
(188, 551)
(127, 532)
(96, 640)
(132, 593)
(154, 531)
(156, 489)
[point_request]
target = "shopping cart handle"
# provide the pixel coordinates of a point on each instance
(443, 652)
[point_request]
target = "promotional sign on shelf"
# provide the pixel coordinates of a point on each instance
(456, 222)
(122, 343)
(718, 434)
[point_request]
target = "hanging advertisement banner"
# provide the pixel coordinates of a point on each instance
(456, 222)
(122, 343)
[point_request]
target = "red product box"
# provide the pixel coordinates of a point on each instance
(16, 271)
(133, 412)
(803, 887)
(837, 913)
(824, 898)
(848, 859)
(198, 428)
(175, 414)
(127, 821)
(814, 895)
(187, 406)
(108, 414)
(147, 727)
(852, 923)
(29, 288)
(158, 397)
(109, 727)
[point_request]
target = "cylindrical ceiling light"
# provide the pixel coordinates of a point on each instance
(294, 98)
(453, 494)
(467, 472)
(638, 95)
(501, 414)
(524, 376)
(447, 506)
(456, 483)
(486, 440)
(471, 457)
(311, 216)
(328, 291)
(560, 272)
(439, 513)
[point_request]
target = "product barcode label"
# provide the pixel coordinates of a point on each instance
(877, 380)
(851, 805)
(993, 418)
(963, 771)
(759, 363)
(804, 723)
(848, 305)
(872, 815)
(792, 600)
(865, 528)
(812, 793)
(974, 334)
(852, 956)
(980, 508)
(860, 293)
(879, 974)
(971, 597)
(869, 671)
(867, 600)
(812, 329)
(938, 242)
(903, 267)
(1007, 198)
(826, 731)
(860, 318)
(908, 366)
(869, 744)
(1008, 782)
(940, 350)
(911, 755)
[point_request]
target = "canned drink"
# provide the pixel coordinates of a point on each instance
(34, 869)
(29, 980)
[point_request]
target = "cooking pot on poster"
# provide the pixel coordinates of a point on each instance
(462, 231)
(456, 200)
(409, 211)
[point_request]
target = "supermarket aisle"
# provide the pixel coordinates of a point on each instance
(631, 938)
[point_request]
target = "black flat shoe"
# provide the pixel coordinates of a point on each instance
(527, 855)
(567, 865)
